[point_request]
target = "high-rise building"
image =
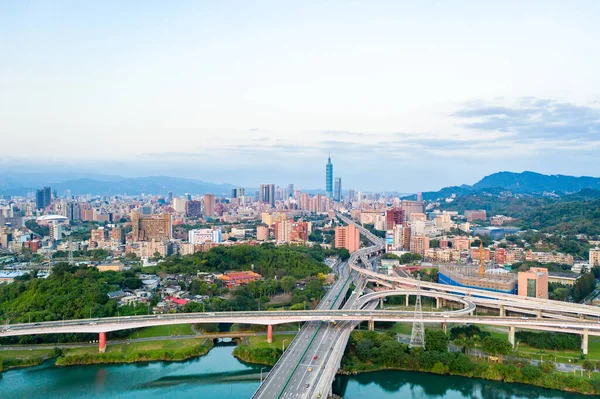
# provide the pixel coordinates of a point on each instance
(73, 211)
(209, 205)
(202, 236)
(170, 197)
(594, 257)
(55, 231)
(351, 195)
(419, 244)
(347, 237)
(267, 194)
(179, 204)
(237, 192)
(329, 178)
(534, 283)
(289, 191)
(151, 227)
(43, 198)
(410, 207)
(262, 232)
(393, 217)
(337, 189)
(305, 202)
(193, 209)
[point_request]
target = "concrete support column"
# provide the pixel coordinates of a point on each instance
(407, 298)
(581, 317)
(102, 342)
(269, 334)
(539, 313)
(502, 311)
(584, 341)
(444, 327)
(511, 335)
(380, 303)
(371, 325)
(437, 303)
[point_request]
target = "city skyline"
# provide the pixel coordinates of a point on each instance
(164, 90)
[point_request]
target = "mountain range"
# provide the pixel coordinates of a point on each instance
(528, 183)
(23, 183)
(18, 183)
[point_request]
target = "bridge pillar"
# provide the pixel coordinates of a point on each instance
(539, 313)
(407, 298)
(444, 327)
(437, 303)
(511, 335)
(371, 325)
(102, 342)
(584, 341)
(502, 311)
(269, 334)
(380, 303)
(581, 316)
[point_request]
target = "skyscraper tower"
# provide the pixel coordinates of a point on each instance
(329, 178)
(337, 193)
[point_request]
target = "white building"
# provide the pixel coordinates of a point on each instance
(201, 236)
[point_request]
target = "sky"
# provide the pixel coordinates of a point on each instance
(406, 96)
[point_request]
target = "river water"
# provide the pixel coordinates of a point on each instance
(220, 375)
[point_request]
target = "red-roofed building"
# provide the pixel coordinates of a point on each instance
(233, 279)
(177, 301)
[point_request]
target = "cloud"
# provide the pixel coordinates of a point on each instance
(534, 118)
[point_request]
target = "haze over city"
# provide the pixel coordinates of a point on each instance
(245, 93)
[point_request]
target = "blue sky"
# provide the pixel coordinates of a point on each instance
(406, 96)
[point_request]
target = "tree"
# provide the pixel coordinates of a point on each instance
(531, 372)
(462, 364)
(588, 366)
(364, 348)
(132, 283)
(344, 254)
(288, 283)
(436, 341)
(496, 346)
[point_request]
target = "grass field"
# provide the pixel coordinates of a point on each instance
(162, 331)
(134, 347)
(23, 357)
(24, 354)
(561, 356)
(260, 341)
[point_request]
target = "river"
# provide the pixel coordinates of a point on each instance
(220, 375)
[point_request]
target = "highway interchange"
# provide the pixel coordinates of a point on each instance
(309, 364)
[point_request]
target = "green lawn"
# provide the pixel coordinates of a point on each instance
(24, 354)
(260, 341)
(162, 331)
(172, 345)
(561, 356)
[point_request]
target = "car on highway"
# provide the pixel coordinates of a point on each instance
(310, 369)
(307, 385)
(93, 323)
(315, 357)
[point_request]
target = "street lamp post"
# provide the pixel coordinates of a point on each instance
(261, 374)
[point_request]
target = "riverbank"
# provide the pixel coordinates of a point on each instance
(256, 350)
(165, 350)
(11, 359)
(384, 353)
(370, 352)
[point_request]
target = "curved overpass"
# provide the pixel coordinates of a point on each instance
(270, 318)
(479, 296)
